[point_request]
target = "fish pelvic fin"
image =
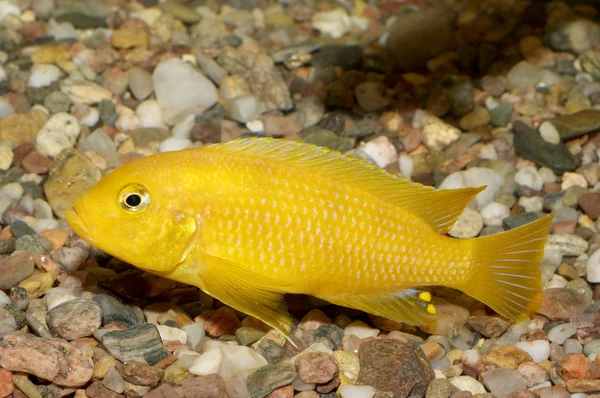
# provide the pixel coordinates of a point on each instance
(409, 306)
(245, 291)
(506, 273)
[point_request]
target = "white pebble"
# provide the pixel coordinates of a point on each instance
(381, 150)
(572, 346)
(181, 90)
(60, 132)
(493, 213)
(168, 333)
(541, 385)
(467, 383)
(547, 175)
(174, 144)
(56, 296)
(436, 134)
(8, 8)
(468, 224)
(579, 395)
(183, 128)
(361, 330)
(335, 23)
(532, 203)
(556, 281)
(352, 391)
(127, 119)
(567, 245)
(406, 164)
(91, 117)
(6, 157)
(570, 179)
(476, 177)
(42, 224)
(549, 133)
(538, 349)
(149, 114)
(43, 75)
(529, 177)
(558, 334)
(593, 267)
(195, 333)
(256, 126)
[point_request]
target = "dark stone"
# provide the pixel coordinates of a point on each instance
(332, 333)
(511, 222)
(270, 350)
(138, 343)
(576, 124)
(347, 57)
(108, 112)
(8, 245)
(20, 228)
(394, 368)
(115, 311)
(530, 145)
(82, 21)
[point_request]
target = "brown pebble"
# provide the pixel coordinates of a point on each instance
(590, 203)
(210, 386)
(20, 152)
(576, 367)
(97, 390)
(36, 163)
(165, 390)
(575, 386)
(327, 388)
(282, 392)
(313, 320)
(522, 394)
(533, 374)
(74, 319)
(140, 373)
(316, 367)
(6, 383)
(307, 394)
(223, 321)
(508, 357)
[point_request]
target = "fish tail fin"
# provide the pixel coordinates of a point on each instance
(506, 272)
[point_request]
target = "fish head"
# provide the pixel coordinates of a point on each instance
(133, 214)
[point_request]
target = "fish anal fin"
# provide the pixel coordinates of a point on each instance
(440, 209)
(245, 291)
(408, 306)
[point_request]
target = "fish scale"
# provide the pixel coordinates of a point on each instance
(250, 220)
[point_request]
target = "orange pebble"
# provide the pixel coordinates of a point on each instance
(576, 367)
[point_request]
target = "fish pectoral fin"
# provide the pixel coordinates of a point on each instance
(409, 306)
(246, 291)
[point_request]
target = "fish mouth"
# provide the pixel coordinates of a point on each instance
(77, 224)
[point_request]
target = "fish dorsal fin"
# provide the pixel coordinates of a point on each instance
(439, 209)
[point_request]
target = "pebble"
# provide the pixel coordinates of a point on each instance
(468, 225)
(507, 357)
(562, 304)
(590, 204)
(43, 75)
(208, 363)
(6, 157)
(478, 117)
(203, 387)
(15, 269)
(576, 124)
(49, 359)
(60, 132)
(435, 133)
(493, 213)
(139, 373)
(576, 367)
(522, 74)
(352, 391)
(140, 343)
(268, 378)
(593, 268)
(6, 383)
(316, 367)
(538, 349)
(335, 23)
(140, 83)
(502, 382)
(74, 319)
(113, 381)
(394, 367)
(181, 90)
(360, 330)
(533, 374)
(172, 334)
(559, 333)
(467, 383)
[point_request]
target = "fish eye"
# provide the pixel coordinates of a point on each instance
(134, 198)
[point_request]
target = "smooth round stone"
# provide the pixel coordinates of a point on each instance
(361, 330)
(467, 383)
(502, 382)
(140, 83)
(593, 268)
(43, 75)
(538, 349)
(174, 144)
(549, 133)
(352, 391)
(208, 363)
(168, 333)
(195, 333)
(4, 299)
(468, 225)
(560, 333)
(532, 204)
(529, 177)
(56, 296)
(493, 213)
(150, 114)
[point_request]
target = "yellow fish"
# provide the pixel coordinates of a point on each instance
(250, 220)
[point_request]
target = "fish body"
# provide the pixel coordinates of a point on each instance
(250, 220)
